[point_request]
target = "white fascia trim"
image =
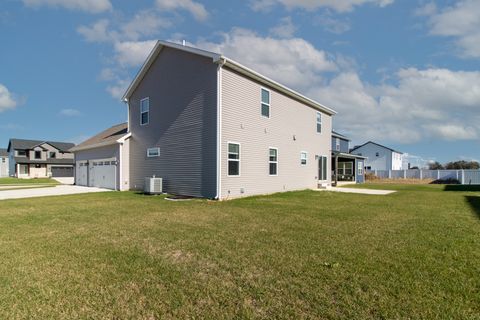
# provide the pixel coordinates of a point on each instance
(125, 137)
(220, 63)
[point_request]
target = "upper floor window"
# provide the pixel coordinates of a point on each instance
(144, 111)
(52, 155)
(265, 103)
(4, 160)
(38, 154)
(153, 152)
(303, 158)
(21, 153)
(337, 144)
(233, 159)
(319, 122)
(273, 161)
(377, 154)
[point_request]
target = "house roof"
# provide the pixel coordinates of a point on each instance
(3, 153)
(25, 160)
(338, 135)
(24, 144)
(347, 155)
(222, 60)
(358, 147)
(104, 138)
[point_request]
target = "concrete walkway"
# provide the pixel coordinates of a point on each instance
(45, 192)
(360, 191)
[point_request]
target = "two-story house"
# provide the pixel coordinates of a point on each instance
(4, 168)
(379, 157)
(40, 159)
(345, 166)
(213, 128)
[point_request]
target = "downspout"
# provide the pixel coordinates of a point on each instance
(119, 166)
(336, 170)
(220, 62)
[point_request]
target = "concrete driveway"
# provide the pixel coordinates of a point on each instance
(49, 191)
(66, 180)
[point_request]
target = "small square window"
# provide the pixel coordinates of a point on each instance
(153, 152)
(303, 158)
(377, 154)
(52, 155)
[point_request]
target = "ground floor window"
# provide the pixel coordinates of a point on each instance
(233, 159)
(322, 168)
(23, 169)
(345, 168)
(273, 161)
(303, 158)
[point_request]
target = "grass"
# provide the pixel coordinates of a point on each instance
(15, 181)
(413, 254)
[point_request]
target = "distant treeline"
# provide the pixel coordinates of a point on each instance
(455, 165)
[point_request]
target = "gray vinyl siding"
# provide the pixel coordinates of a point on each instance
(106, 152)
(291, 128)
(182, 89)
(344, 145)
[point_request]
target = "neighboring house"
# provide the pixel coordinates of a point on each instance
(40, 159)
(379, 157)
(102, 161)
(4, 168)
(345, 166)
(210, 127)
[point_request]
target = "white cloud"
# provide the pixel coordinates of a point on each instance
(295, 62)
(286, 28)
(118, 89)
(98, 32)
(92, 6)
(70, 113)
(144, 23)
(133, 53)
(195, 8)
(311, 5)
(461, 22)
(7, 100)
(331, 24)
(426, 10)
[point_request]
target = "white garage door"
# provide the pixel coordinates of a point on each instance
(102, 173)
(81, 173)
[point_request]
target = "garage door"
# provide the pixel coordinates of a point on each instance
(102, 173)
(62, 172)
(81, 173)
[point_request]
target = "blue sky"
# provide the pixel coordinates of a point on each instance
(401, 73)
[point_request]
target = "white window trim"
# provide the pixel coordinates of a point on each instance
(269, 104)
(141, 113)
(317, 122)
(360, 168)
(269, 162)
(153, 156)
(306, 158)
(239, 159)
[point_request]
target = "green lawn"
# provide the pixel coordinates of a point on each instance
(413, 254)
(16, 181)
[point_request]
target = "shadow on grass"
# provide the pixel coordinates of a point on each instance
(474, 202)
(460, 187)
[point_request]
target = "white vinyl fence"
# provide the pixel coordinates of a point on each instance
(463, 176)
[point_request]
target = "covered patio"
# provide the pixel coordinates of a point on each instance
(347, 168)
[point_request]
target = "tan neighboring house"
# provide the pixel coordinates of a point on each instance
(40, 159)
(4, 168)
(213, 128)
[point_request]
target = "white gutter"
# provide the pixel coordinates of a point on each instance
(220, 63)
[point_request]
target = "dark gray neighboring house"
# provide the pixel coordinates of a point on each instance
(40, 159)
(346, 166)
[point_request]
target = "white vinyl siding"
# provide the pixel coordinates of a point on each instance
(273, 161)
(144, 111)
